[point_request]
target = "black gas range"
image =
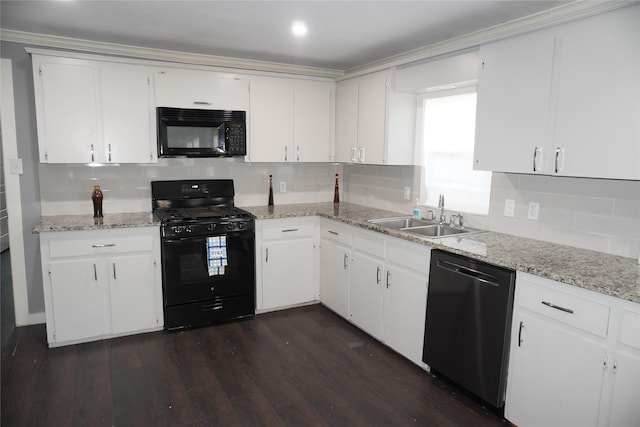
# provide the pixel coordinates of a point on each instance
(208, 252)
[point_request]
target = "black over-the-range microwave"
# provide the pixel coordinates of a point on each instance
(186, 132)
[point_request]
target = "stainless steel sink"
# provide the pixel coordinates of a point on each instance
(437, 230)
(401, 222)
(421, 227)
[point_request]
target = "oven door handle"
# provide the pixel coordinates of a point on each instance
(181, 240)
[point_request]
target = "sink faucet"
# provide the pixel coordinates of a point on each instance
(443, 218)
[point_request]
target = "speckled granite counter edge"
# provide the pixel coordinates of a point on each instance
(599, 272)
(88, 222)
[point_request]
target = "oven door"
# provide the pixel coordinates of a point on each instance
(204, 268)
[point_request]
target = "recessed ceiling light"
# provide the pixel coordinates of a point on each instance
(299, 28)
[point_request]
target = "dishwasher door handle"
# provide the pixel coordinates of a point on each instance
(469, 272)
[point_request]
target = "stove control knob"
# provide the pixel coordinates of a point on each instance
(211, 227)
(188, 229)
(230, 226)
(241, 225)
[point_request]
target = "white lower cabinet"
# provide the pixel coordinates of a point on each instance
(335, 266)
(405, 297)
(286, 268)
(366, 282)
(377, 282)
(101, 283)
(567, 366)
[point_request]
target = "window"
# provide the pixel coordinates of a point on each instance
(448, 135)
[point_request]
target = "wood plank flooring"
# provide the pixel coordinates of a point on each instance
(299, 367)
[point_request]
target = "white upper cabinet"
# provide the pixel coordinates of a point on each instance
(290, 120)
(207, 90)
(374, 124)
(93, 111)
(564, 100)
(514, 87)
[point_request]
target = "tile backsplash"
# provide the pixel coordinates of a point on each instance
(602, 215)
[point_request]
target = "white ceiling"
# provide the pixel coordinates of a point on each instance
(342, 34)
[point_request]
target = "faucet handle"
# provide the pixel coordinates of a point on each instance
(453, 218)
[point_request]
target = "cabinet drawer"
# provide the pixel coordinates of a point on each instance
(335, 232)
(630, 332)
(99, 245)
(368, 242)
(564, 307)
(413, 256)
(288, 231)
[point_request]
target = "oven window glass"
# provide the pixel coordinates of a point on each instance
(188, 274)
(189, 137)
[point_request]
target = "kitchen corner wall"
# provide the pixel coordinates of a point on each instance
(66, 189)
(597, 214)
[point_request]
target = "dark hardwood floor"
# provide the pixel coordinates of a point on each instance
(300, 367)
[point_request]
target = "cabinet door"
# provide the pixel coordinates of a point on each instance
(67, 107)
(598, 99)
(365, 299)
(126, 110)
(514, 88)
(334, 276)
(404, 309)
(312, 118)
(625, 409)
(372, 102)
(133, 293)
(271, 120)
(555, 375)
(79, 299)
(287, 271)
(201, 89)
(346, 138)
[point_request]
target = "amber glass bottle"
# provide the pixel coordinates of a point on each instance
(336, 192)
(97, 197)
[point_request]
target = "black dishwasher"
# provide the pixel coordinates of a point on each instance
(468, 324)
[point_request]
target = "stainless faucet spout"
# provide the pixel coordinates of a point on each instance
(443, 218)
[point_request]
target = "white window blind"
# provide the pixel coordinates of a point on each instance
(448, 130)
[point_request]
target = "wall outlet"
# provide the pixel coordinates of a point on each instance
(534, 209)
(509, 208)
(407, 193)
(283, 186)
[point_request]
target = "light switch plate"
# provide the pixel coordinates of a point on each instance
(407, 193)
(509, 208)
(534, 209)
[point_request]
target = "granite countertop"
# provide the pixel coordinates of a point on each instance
(607, 274)
(88, 222)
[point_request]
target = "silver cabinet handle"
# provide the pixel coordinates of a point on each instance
(201, 103)
(378, 275)
(332, 232)
(535, 158)
(109, 145)
(105, 245)
(114, 272)
(354, 156)
(388, 279)
(266, 254)
(298, 153)
(345, 261)
(557, 307)
(92, 156)
(361, 155)
(557, 166)
(285, 153)
(289, 230)
(95, 273)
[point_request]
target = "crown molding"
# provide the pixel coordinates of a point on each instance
(562, 14)
(137, 52)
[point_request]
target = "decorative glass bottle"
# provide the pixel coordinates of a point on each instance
(97, 197)
(270, 204)
(336, 192)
